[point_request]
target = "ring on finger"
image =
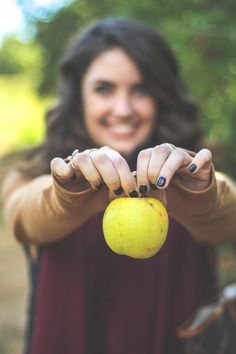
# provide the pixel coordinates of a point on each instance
(91, 150)
(170, 146)
(70, 159)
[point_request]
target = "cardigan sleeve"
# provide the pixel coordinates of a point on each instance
(210, 215)
(41, 211)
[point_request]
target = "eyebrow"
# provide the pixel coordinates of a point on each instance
(111, 83)
(102, 81)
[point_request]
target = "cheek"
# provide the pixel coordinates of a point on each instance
(93, 114)
(146, 107)
(95, 108)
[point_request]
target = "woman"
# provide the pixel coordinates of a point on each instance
(124, 108)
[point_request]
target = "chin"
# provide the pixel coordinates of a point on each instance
(125, 150)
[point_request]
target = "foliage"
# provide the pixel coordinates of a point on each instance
(21, 113)
(201, 33)
(17, 57)
(53, 36)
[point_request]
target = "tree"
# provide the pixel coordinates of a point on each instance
(201, 33)
(17, 57)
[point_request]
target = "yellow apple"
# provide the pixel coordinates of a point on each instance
(135, 227)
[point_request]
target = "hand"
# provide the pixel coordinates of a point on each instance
(99, 167)
(163, 164)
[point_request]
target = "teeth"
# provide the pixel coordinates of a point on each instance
(122, 130)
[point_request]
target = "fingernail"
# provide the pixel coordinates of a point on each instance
(100, 186)
(118, 191)
(153, 186)
(143, 188)
(161, 181)
(192, 167)
(133, 194)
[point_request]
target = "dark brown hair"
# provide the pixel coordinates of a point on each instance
(65, 130)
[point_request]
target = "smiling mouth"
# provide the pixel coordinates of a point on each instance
(123, 131)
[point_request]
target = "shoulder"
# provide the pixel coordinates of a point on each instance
(226, 187)
(225, 179)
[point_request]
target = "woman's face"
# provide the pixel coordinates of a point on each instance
(118, 110)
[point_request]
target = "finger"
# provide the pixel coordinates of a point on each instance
(107, 171)
(126, 177)
(160, 154)
(142, 170)
(61, 170)
(202, 159)
(82, 161)
(175, 161)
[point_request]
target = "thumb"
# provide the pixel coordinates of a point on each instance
(60, 169)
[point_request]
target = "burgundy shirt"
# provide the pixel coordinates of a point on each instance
(92, 301)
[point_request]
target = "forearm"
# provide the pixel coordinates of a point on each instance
(210, 215)
(41, 211)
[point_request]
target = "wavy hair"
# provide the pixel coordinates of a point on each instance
(177, 120)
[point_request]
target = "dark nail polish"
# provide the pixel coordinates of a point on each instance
(192, 167)
(161, 181)
(100, 186)
(133, 194)
(118, 191)
(153, 186)
(143, 188)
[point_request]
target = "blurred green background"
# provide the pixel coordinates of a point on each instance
(202, 33)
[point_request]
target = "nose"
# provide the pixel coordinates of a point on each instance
(122, 106)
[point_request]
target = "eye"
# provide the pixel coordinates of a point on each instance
(141, 90)
(103, 89)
